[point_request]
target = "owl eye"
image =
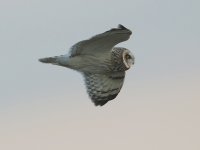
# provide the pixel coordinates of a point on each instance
(128, 56)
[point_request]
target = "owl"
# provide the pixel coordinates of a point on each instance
(102, 64)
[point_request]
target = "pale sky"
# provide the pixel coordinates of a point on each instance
(46, 107)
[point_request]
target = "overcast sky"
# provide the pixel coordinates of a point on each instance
(46, 107)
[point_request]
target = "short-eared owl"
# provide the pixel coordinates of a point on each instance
(102, 65)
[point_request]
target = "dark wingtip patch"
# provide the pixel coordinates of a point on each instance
(121, 26)
(100, 101)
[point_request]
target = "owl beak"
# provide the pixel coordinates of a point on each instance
(133, 62)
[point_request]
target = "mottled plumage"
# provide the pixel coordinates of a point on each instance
(102, 65)
(102, 87)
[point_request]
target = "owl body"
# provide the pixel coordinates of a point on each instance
(112, 62)
(102, 65)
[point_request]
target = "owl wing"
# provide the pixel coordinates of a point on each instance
(102, 88)
(101, 43)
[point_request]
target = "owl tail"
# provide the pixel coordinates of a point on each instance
(52, 60)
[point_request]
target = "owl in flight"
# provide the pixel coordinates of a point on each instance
(102, 65)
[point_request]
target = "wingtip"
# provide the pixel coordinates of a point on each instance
(100, 103)
(120, 26)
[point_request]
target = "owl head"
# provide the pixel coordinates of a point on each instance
(123, 58)
(128, 58)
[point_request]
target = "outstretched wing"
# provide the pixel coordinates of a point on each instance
(101, 43)
(102, 88)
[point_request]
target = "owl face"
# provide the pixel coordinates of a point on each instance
(128, 58)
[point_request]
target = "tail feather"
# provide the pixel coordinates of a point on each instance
(52, 60)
